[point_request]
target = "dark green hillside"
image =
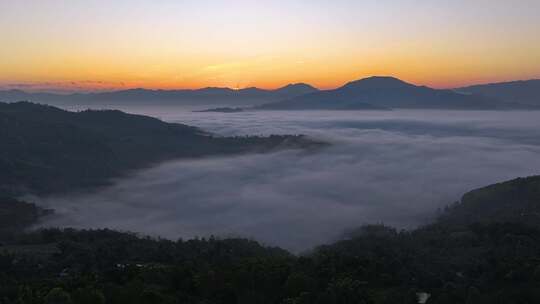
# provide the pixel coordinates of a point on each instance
(516, 201)
(467, 263)
(45, 149)
(16, 215)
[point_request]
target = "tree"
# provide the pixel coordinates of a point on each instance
(88, 295)
(57, 296)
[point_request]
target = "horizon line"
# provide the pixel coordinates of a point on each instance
(67, 91)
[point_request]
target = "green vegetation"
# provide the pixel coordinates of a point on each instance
(46, 149)
(452, 261)
(16, 215)
(516, 201)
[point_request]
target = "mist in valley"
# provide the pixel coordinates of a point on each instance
(393, 167)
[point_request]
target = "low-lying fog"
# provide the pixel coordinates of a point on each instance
(395, 167)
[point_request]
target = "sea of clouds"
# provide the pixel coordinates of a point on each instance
(391, 167)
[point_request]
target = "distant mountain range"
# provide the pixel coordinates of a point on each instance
(373, 93)
(524, 91)
(386, 93)
(208, 96)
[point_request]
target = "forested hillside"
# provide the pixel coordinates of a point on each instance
(444, 262)
(46, 149)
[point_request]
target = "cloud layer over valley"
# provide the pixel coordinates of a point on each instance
(392, 167)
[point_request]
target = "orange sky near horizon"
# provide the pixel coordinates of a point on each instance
(55, 45)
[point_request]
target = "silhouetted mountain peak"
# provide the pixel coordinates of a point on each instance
(377, 82)
(251, 90)
(380, 92)
(214, 90)
(298, 85)
(297, 89)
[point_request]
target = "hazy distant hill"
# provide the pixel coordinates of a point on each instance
(296, 89)
(387, 92)
(524, 92)
(46, 149)
(322, 100)
(221, 110)
(19, 95)
(214, 96)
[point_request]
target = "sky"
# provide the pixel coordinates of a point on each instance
(103, 44)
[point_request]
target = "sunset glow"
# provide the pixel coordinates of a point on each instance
(104, 45)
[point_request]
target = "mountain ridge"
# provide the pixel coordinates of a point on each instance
(375, 92)
(248, 96)
(385, 92)
(518, 91)
(380, 82)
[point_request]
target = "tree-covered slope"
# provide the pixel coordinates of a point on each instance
(46, 149)
(467, 263)
(516, 201)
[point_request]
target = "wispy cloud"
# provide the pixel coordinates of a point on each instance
(64, 86)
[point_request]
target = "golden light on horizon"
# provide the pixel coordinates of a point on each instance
(101, 45)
